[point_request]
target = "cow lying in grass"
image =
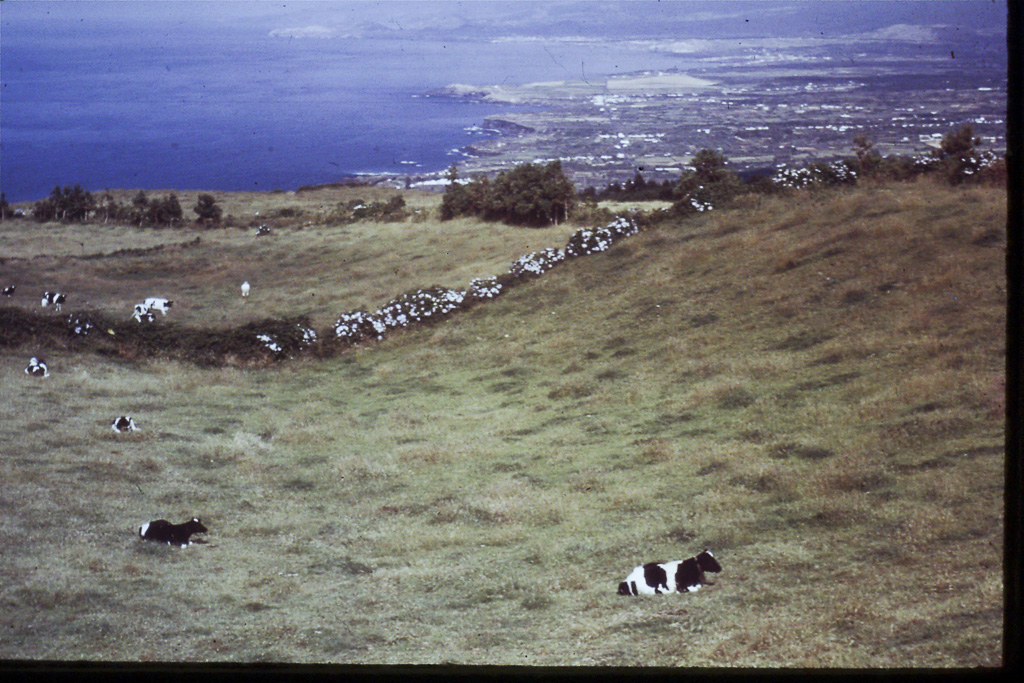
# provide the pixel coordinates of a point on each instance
(36, 367)
(124, 423)
(655, 578)
(163, 531)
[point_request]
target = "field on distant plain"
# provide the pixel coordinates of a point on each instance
(811, 386)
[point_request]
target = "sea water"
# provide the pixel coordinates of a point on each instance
(238, 96)
(245, 112)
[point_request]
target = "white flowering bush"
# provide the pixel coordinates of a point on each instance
(270, 343)
(283, 337)
(927, 163)
(358, 325)
(412, 307)
(79, 325)
(817, 174)
(966, 166)
(701, 199)
(484, 288)
(419, 306)
(537, 263)
(593, 240)
(700, 206)
(308, 334)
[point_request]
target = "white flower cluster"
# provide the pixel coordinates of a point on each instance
(699, 205)
(977, 161)
(414, 307)
(484, 288)
(591, 241)
(794, 178)
(832, 173)
(308, 335)
(79, 325)
(270, 343)
(537, 263)
(420, 305)
(358, 325)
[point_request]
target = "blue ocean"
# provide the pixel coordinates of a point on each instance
(243, 110)
(275, 95)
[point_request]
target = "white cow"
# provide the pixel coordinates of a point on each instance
(158, 303)
(245, 288)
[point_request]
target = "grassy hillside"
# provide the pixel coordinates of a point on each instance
(318, 271)
(810, 386)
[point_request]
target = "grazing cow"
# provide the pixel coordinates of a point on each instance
(37, 367)
(124, 423)
(9, 290)
(158, 304)
(245, 288)
(262, 230)
(54, 298)
(655, 578)
(163, 531)
(142, 312)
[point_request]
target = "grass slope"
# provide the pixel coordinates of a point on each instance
(810, 386)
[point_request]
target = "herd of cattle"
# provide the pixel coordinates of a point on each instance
(653, 578)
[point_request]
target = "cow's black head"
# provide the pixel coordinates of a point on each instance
(708, 563)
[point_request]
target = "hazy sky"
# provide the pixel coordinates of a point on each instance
(637, 18)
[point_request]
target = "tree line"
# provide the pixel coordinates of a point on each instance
(74, 204)
(709, 182)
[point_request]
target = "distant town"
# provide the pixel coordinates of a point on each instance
(760, 116)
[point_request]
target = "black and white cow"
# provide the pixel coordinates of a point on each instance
(655, 578)
(163, 531)
(158, 304)
(37, 367)
(124, 423)
(9, 290)
(142, 313)
(55, 298)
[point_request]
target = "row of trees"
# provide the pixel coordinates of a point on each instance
(525, 195)
(636, 189)
(74, 204)
(711, 183)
